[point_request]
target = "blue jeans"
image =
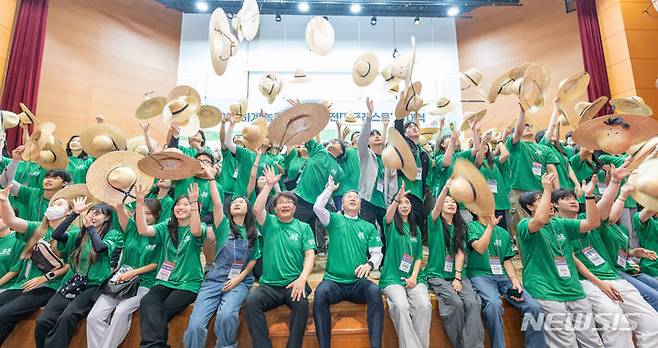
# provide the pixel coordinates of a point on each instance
(227, 305)
(363, 291)
(646, 285)
(490, 287)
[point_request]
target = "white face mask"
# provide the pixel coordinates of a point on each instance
(54, 213)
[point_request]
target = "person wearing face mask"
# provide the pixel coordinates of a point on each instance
(89, 251)
(79, 161)
(180, 273)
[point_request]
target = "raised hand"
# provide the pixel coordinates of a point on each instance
(293, 102)
(174, 129)
(17, 153)
(4, 193)
(619, 174)
(547, 181)
(626, 190)
(455, 136)
(193, 192)
(271, 178)
(80, 204)
(494, 221)
(209, 170)
(144, 126)
(588, 189)
(331, 185)
(140, 193)
(370, 107)
(401, 193)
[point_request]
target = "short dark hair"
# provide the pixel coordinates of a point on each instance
(208, 153)
(374, 131)
(409, 123)
(527, 199)
(561, 194)
(540, 135)
(59, 173)
(203, 136)
(286, 194)
(355, 133)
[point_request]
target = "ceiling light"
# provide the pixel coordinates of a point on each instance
(355, 8)
(303, 6)
(202, 6)
(453, 11)
(277, 17)
(416, 21)
(229, 15)
(373, 20)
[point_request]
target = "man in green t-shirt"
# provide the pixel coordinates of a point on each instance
(348, 266)
(549, 271)
(288, 254)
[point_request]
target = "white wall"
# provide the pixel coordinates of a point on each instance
(280, 48)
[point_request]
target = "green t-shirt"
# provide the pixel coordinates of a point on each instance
(350, 240)
(562, 167)
(497, 176)
(244, 161)
(528, 163)
(34, 201)
(187, 273)
(499, 246)
(78, 167)
(415, 186)
(284, 248)
(615, 240)
(442, 174)
(181, 187)
(440, 250)
(350, 165)
(139, 251)
(97, 271)
(647, 234)
(377, 199)
(618, 161)
(397, 245)
(229, 172)
(540, 250)
(583, 171)
(222, 235)
(592, 244)
(293, 163)
(30, 174)
(319, 166)
(11, 247)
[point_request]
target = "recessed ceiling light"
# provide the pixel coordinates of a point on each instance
(453, 11)
(202, 6)
(303, 6)
(355, 8)
(277, 17)
(416, 20)
(373, 20)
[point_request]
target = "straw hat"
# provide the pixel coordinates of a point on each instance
(531, 88)
(395, 88)
(71, 192)
(53, 156)
(298, 124)
(443, 106)
(403, 65)
(397, 155)
(469, 186)
(640, 152)
(365, 69)
(320, 36)
(426, 134)
(586, 110)
(169, 164)
(209, 116)
(563, 119)
(350, 118)
(631, 105)
(182, 102)
(646, 185)
(573, 87)
(150, 107)
(387, 73)
(270, 86)
(189, 127)
(9, 119)
(113, 178)
(470, 116)
(300, 77)
(138, 144)
(327, 104)
(223, 44)
(471, 78)
(26, 116)
(255, 133)
(410, 100)
(40, 139)
(247, 20)
(501, 85)
(239, 108)
(614, 134)
(102, 138)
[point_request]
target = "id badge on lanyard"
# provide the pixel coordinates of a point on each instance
(419, 173)
(449, 263)
(493, 186)
(562, 267)
(621, 258)
(496, 267)
(593, 256)
(380, 185)
(235, 173)
(405, 263)
(236, 266)
(165, 271)
(536, 168)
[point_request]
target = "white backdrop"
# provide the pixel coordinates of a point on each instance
(280, 48)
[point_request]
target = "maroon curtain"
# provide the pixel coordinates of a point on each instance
(590, 41)
(24, 66)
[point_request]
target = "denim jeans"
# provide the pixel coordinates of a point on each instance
(646, 285)
(363, 291)
(490, 287)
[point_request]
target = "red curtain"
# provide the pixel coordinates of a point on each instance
(592, 46)
(24, 66)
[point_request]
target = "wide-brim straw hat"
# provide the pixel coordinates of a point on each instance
(573, 87)
(397, 154)
(443, 106)
(26, 116)
(150, 107)
(255, 133)
(365, 69)
(269, 86)
(643, 179)
(189, 127)
(114, 177)
(138, 144)
(387, 73)
(402, 66)
(209, 116)
(531, 88)
(191, 95)
(9, 119)
(320, 36)
(410, 100)
(298, 124)
(426, 134)
(223, 44)
(394, 88)
(53, 156)
(471, 78)
(640, 152)
(586, 110)
(616, 133)
(501, 85)
(71, 192)
(470, 187)
(102, 138)
(240, 108)
(40, 138)
(351, 119)
(247, 20)
(470, 116)
(171, 164)
(631, 105)
(300, 77)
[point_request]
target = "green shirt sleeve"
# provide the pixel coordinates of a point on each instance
(373, 237)
(308, 237)
(572, 228)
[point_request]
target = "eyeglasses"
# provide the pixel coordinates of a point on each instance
(284, 201)
(206, 161)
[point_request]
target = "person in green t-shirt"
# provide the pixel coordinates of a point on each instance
(294, 162)
(32, 288)
(288, 256)
(549, 270)
(89, 251)
(348, 266)
(349, 163)
(202, 179)
(401, 279)
(495, 170)
(10, 250)
(180, 272)
(79, 161)
(109, 320)
(459, 307)
(645, 223)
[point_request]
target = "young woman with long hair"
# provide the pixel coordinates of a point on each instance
(89, 252)
(79, 161)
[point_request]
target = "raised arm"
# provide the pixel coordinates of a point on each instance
(618, 206)
(481, 245)
(393, 207)
(476, 138)
(195, 218)
(450, 150)
(222, 132)
(147, 138)
(550, 130)
(228, 140)
(319, 208)
(504, 152)
(520, 126)
(362, 143)
(271, 179)
(7, 213)
(174, 131)
(593, 219)
(646, 214)
(253, 173)
(543, 210)
(440, 200)
(122, 216)
(140, 220)
(7, 177)
(605, 203)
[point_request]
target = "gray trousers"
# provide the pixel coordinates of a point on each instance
(460, 313)
(105, 330)
(411, 313)
(626, 219)
(570, 324)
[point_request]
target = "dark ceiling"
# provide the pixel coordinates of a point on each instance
(382, 8)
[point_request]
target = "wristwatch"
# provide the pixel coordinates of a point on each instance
(50, 275)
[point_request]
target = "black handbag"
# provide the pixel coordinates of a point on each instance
(123, 290)
(74, 286)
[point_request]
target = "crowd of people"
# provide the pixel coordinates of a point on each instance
(99, 229)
